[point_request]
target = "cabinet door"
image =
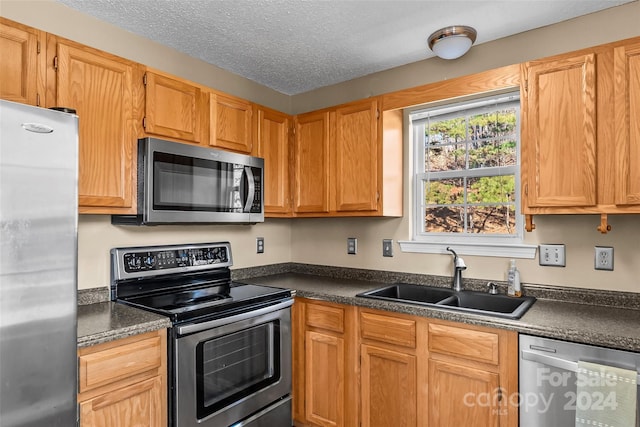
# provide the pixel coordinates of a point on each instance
(559, 147)
(172, 108)
(627, 119)
(462, 396)
(230, 123)
(138, 404)
(389, 390)
(19, 74)
(312, 163)
(99, 87)
(356, 149)
(324, 379)
(273, 147)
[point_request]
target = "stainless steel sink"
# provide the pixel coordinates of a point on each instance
(466, 301)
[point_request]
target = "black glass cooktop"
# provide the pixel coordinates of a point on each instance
(208, 301)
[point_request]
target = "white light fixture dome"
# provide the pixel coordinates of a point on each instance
(452, 42)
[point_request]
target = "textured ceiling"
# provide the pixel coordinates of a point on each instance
(294, 46)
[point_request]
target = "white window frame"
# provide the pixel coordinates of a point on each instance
(484, 245)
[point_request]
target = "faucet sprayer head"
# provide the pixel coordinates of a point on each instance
(457, 261)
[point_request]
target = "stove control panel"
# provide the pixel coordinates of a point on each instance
(168, 259)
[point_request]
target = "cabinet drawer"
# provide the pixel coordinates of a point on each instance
(325, 317)
(464, 343)
(114, 362)
(388, 329)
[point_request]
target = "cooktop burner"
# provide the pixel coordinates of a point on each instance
(185, 282)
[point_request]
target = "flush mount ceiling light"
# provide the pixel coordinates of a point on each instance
(452, 42)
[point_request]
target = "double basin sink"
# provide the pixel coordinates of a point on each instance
(464, 301)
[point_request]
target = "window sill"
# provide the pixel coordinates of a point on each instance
(479, 249)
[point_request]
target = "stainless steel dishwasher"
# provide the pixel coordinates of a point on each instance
(548, 378)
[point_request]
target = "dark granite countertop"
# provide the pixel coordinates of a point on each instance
(585, 323)
(106, 321)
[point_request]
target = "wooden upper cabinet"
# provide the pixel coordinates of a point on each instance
(342, 150)
(230, 123)
(559, 141)
(22, 66)
(273, 146)
(356, 160)
(312, 163)
(173, 108)
(99, 86)
(627, 119)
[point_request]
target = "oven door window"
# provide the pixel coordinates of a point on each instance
(192, 184)
(230, 367)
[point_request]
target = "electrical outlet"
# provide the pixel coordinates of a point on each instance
(603, 258)
(387, 247)
(553, 255)
(260, 245)
(352, 245)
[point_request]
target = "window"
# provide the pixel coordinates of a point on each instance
(466, 172)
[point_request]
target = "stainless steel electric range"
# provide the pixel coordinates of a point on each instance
(230, 343)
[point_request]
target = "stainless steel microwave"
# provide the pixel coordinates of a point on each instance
(186, 184)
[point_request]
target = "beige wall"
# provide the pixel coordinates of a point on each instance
(96, 236)
(323, 241)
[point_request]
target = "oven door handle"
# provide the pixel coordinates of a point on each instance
(198, 327)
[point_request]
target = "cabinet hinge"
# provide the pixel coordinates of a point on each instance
(377, 113)
(526, 85)
(499, 394)
(144, 79)
(526, 189)
(144, 122)
(55, 63)
(38, 48)
(37, 99)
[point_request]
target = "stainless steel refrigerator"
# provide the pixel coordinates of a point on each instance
(38, 266)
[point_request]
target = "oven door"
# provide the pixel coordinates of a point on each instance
(228, 369)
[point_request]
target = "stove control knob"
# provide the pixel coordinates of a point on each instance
(149, 260)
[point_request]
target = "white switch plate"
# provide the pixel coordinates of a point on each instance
(553, 255)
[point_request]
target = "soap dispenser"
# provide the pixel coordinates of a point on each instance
(513, 280)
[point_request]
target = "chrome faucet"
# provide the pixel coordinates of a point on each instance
(458, 266)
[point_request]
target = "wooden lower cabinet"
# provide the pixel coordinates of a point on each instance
(380, 369)
(133, 405)
(324, 379)
(124, 382)
(388, 388)
(462, 396)
(325, 364)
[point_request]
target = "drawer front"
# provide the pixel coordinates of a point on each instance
(119, 362)
(388, 329)
(325, 317)
(465, 343)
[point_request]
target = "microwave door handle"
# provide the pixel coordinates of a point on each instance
(251, 190)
